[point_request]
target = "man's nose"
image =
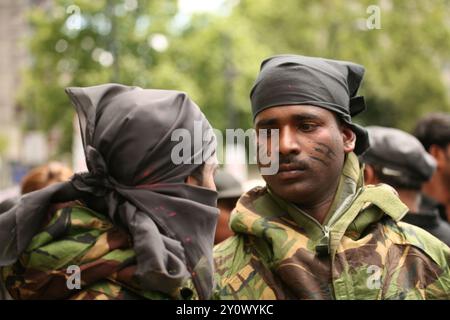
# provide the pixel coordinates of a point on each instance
(288, 142)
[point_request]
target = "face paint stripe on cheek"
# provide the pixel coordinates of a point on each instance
(318, 159)
(329, 153)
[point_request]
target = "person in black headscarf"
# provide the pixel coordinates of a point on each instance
(315, 231)
(139, 224)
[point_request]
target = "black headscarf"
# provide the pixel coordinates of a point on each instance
(127, 139)
(296, 80)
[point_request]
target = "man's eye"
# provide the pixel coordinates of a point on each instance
(307, 126)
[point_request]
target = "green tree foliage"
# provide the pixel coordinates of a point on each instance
(405, 59)
(215, 57)
(83, 43)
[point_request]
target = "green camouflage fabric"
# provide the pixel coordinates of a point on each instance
(78, 236)
(361, 251)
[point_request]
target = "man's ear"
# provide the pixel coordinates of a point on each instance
(438, 154)
(369, 175)
(349, 139)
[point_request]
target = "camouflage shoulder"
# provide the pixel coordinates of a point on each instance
(254, 201)
(240, 275)
(255, 204)
(420, 260)
(230, 256)
(422, 239)
(433, 253)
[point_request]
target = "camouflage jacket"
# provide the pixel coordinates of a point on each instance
(361, 251)
(77, 240)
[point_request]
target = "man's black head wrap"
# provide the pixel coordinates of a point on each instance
(299, 80)
(127, 139)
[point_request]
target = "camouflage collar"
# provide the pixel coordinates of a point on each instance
(357, 207)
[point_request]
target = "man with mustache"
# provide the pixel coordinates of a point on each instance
(315, 231)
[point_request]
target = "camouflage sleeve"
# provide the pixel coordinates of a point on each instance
(417, 265)
(111, 290)
(240, 275)
(79, 239)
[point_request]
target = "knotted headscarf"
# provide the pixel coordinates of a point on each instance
(128, 143)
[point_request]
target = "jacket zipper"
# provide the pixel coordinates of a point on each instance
(324, 243)
(323, 248)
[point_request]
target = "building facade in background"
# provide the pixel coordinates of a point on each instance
(18, 150)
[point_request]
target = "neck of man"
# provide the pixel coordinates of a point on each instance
(319, 208)
(438, 189)
(411, 198)
(318, 211)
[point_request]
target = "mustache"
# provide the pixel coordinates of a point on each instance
(292, 161)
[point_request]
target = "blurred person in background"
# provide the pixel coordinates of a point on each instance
(229, 191)
(433, 131)
(45, 175)
(316, 232)
(399, 159)
(38, 178)
(136, 225)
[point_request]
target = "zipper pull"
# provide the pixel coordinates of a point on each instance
(323, 247)
(326, 232)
